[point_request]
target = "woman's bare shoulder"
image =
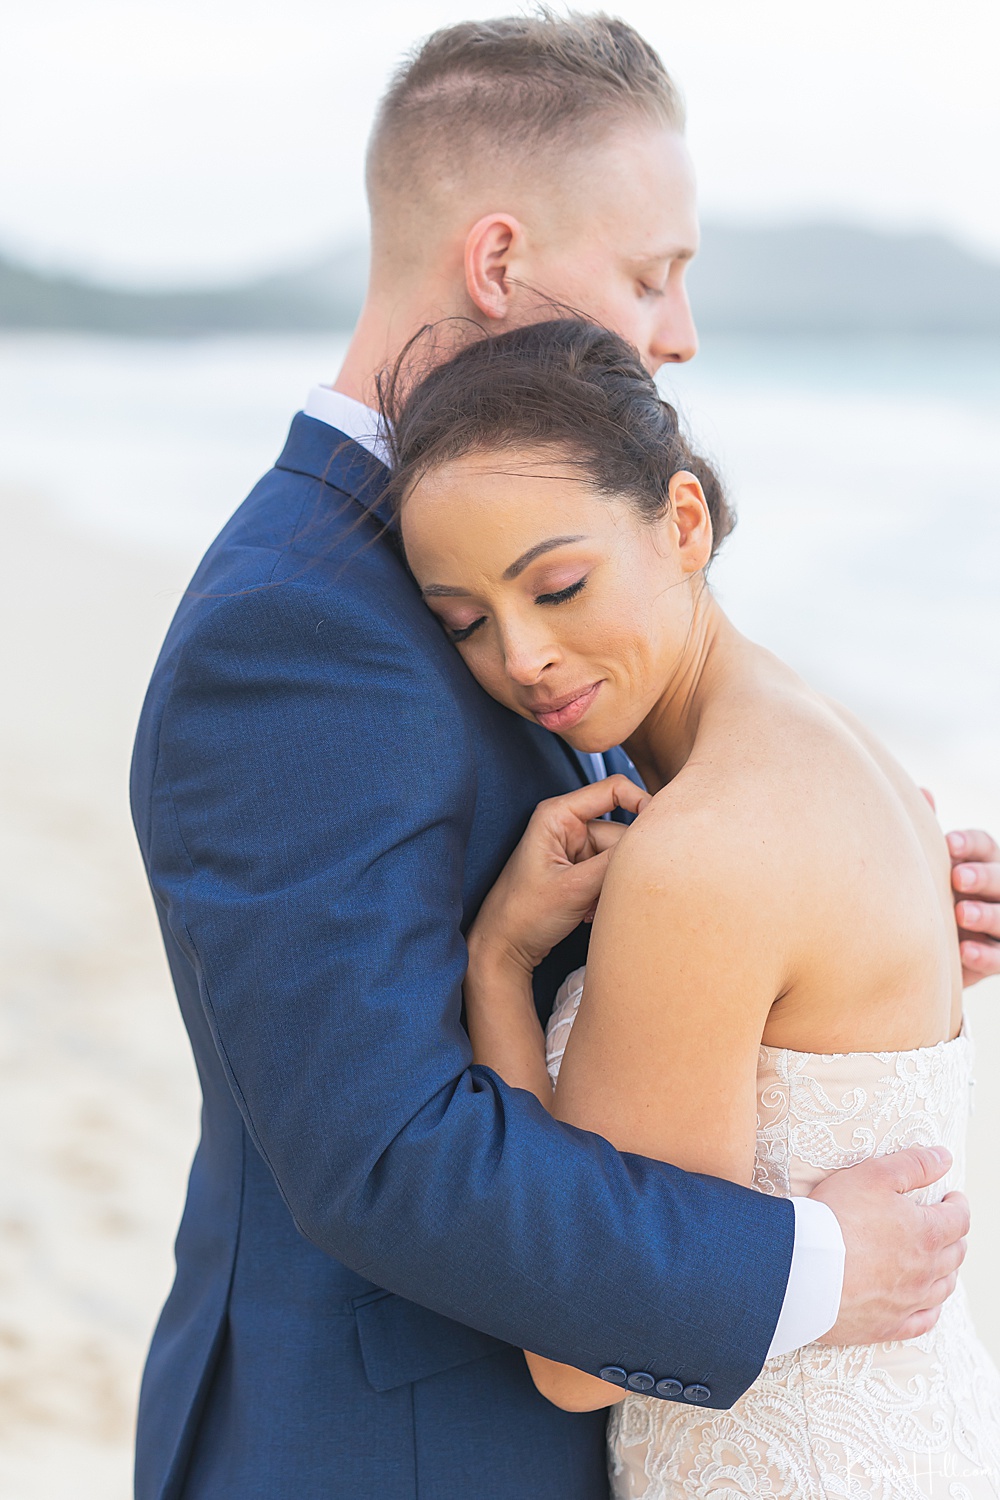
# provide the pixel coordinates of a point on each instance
(771, 782)
(705, 838)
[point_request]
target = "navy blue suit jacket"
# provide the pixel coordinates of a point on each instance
(375, 1226)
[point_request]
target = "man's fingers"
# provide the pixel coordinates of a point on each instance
(950, 1261)
(936, 1296)
(975, 877)
(916, 1167)
(947, 1259)
(977, 880)
(947, 1222)
(980, 917)
(979, 961)
(923, 1321)
(917, 1324)
(941, 1291)
(973, 844)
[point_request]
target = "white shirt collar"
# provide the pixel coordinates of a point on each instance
(353, 418)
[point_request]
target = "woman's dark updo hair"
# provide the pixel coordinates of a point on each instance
(566, 384)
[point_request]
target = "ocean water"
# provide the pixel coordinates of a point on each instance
(866, 475)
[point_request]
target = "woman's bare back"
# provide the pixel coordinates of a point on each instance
(852, 862)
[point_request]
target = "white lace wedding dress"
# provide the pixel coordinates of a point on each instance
(895, 1421)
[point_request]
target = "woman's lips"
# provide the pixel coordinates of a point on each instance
(565, 712)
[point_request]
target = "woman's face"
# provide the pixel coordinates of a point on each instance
(568, 607)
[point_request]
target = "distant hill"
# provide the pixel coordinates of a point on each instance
(838, 279)
(818, 279)
(324, 296)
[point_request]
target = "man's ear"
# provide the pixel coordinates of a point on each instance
(489, 248)
(691, 520)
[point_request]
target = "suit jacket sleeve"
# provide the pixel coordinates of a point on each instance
(306, 839)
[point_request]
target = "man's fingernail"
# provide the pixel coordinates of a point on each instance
(972, 913)
(956, 842)
(941, 1152)
(972, 953)
(966, 876)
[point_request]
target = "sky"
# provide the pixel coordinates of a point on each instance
(181, 141)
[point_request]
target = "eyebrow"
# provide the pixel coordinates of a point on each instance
(448, 591)
(676, 252)
(539, 549)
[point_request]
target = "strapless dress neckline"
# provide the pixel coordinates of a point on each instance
(896, 1421)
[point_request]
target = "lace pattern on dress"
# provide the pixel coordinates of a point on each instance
(900, 1421)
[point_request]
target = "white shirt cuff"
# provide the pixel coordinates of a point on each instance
(815, 1281)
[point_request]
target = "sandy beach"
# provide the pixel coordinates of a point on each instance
(98, 1100)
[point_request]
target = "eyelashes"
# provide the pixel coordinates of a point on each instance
(466, 630)
(562, 597)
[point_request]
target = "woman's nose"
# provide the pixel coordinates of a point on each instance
(527, 655)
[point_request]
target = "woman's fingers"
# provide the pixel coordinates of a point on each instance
(596, 799)
(588, 879)
(604, 835)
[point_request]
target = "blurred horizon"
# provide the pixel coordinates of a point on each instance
(807, 280)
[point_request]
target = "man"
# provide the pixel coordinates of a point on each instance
(374, 1227)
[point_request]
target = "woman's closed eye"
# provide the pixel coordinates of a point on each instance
(563, 596)
(461, 632)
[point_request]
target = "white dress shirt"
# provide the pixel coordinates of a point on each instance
(353, 418)
(816, 1278)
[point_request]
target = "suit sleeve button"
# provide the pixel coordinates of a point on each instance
(697, 1393)
(640, 1381)
(614, 1373)
(669, 1389)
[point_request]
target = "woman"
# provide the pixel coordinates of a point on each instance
(743, 1015)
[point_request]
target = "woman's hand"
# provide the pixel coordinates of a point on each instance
(553, 879)
(550, 884)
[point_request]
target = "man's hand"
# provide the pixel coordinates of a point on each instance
(902, 1259)
(975, 876)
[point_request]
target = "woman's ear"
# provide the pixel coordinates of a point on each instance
(692, 521)
(489, 248)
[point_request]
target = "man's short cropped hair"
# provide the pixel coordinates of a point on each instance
(515, 86)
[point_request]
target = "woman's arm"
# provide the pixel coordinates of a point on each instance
(550, 884)
(684, 965)
(503, 1023)
(687, 956)
(681, 974)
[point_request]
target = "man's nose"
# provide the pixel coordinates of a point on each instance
(675, 338)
